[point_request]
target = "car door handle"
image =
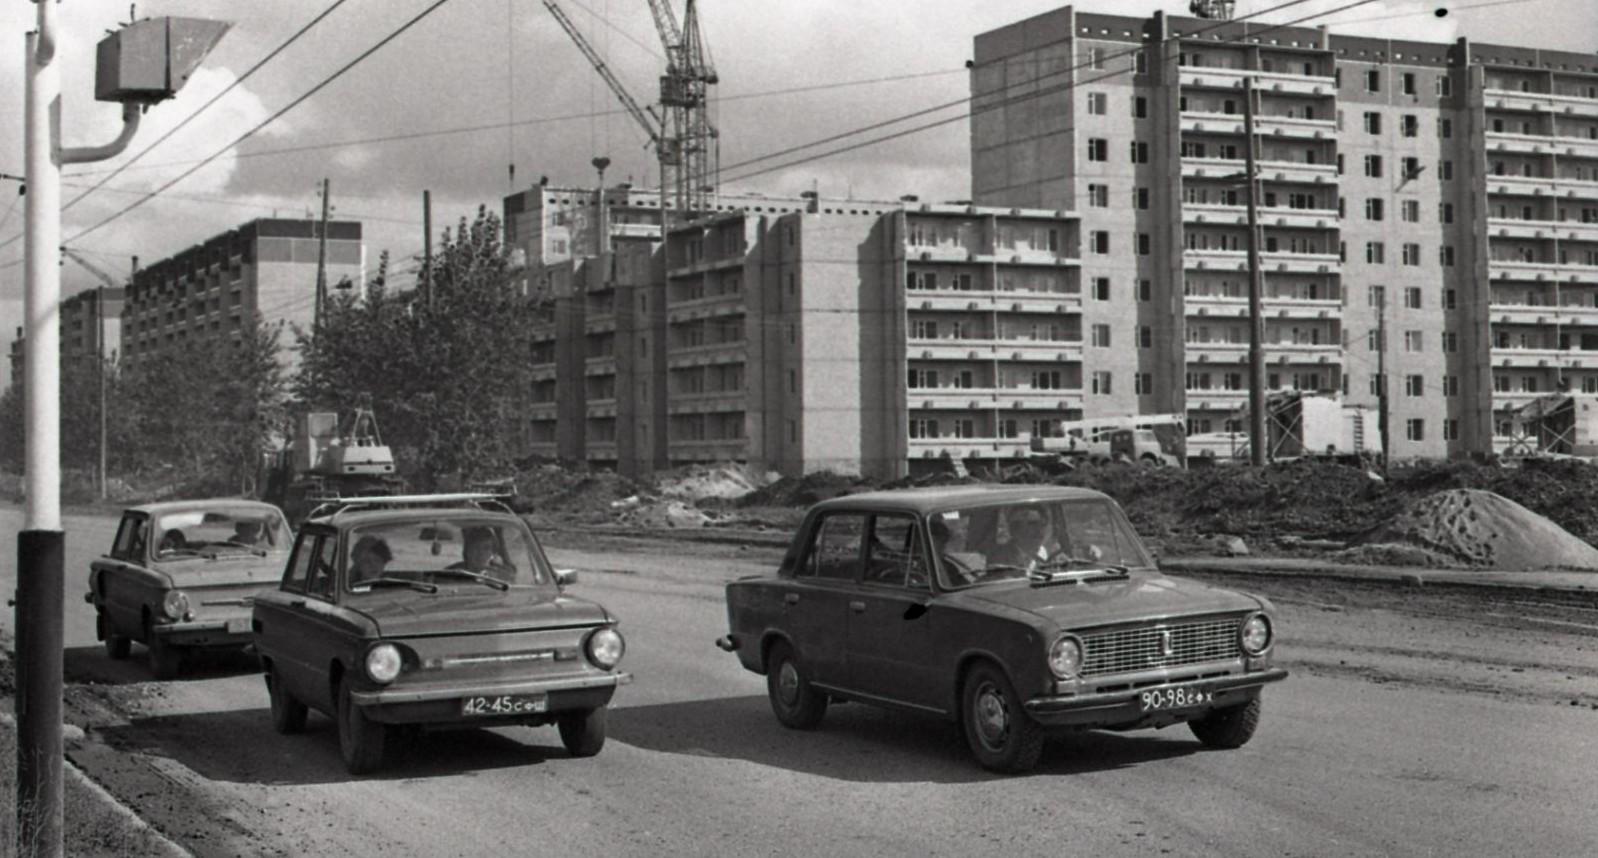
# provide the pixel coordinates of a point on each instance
(297, 603)
(791, 598)
(857, 607)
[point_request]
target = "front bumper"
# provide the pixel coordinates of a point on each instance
(220, 632)
(1123, 708)
(440, 703)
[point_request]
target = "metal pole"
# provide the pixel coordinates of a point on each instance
(41, 544)
(1256, 289)
(99, 357)
(427, 245)
(1381, 376)
(321, 258)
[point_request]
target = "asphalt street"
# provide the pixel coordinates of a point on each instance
(1413, 728)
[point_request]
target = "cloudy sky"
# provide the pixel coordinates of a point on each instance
(478, 85)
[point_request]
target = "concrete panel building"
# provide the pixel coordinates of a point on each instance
(91, 328)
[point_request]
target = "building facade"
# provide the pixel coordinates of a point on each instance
(91, 328)
(266, 268)
(1427, 209)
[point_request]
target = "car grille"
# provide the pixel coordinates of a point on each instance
(1158, 646)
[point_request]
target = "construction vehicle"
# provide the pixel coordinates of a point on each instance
(1298, 425)
(326, 462)
(1555, 425)
(1155, 439)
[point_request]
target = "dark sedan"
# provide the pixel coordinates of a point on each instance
(1016, 611)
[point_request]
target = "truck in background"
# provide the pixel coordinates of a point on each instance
(325, 461)
(1553, 426)
(1154, 439)
(1298, 425)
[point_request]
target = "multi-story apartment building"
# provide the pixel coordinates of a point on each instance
(265, 268)
(1422, 206)
(91, 327)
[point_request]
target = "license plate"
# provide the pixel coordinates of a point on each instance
(239, 626)
(505, 704)
(1180, 697)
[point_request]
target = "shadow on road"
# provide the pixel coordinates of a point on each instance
(866, 744)
(91, 664)
(240, 746)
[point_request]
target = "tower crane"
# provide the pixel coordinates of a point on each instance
(684, 139)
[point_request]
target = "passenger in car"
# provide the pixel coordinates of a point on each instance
(368, 558)
(172, 542)
(1027, 546)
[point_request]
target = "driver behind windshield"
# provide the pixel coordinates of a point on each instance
(1028, 545)
(479, 553)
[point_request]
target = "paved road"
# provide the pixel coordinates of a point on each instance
(1408, 731)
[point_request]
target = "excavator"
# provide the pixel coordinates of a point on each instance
(329, 460)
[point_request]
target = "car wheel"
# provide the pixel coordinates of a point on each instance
(117, 647)
(288, 714)
(796, 704)
(583, 733)
(360, 739)
(165, 659)
(1231, 727)
(1002, 736)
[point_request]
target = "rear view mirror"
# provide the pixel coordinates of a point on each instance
(565, 577)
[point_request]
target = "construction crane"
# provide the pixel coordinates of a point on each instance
(1218, 10)
(684, 139)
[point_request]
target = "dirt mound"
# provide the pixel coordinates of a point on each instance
(1483, 529)
(572, 493)
(806, 490)
(723, 482)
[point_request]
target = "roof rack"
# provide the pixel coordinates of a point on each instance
(496, 502)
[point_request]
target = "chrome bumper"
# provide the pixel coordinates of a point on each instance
(427, 693)
(1043, 707)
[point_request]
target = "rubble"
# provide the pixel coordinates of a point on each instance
(1478, 528)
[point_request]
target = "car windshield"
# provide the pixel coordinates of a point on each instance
(221, 531)
(978, 545)
(424, 554)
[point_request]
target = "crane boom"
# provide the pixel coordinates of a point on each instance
(90, 267)
(666, 26)
(644, 116)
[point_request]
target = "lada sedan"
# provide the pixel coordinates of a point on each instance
(432, 613)
(180, 575)
(1015, 611)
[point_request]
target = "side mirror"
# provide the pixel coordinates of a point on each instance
(565, 577)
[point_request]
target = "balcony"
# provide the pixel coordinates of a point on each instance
(702, 266)
(599, 365)
(994, 302)
(1539, 102)
(707, 449)
(1269, 171)
(600, 408)
(707, 354)
(706, 402)
(1277, 216)
(1564, 230)
(542, 411)
(1265, 126)
(1275, 353)
(599, 323)
(1026, 256)
(601, 451)
(707, 307)
(1224, 307)
(1514, 269)
(990, 349)
(1522, 358)
(1282, 263)
(1543, 187)
(1215, 399)
(1200, 77)
(970, 448)
(542, 371)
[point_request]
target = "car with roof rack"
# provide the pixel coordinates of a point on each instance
(403, 614)
(1014, 611)
(180, 576)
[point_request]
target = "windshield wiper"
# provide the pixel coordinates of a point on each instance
(390, 581)
(475, 576)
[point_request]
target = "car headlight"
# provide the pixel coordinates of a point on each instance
(1065, 657)
(175, 604)
(1256, 634)
(383, 663)
(605, 648)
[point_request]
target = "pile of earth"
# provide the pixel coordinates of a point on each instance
(550, 491)
(719, 482)
(1471, 527)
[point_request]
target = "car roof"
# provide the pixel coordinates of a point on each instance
(204, 504)
(927, 499)
(356, 517)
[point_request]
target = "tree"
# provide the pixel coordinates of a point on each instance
(444, 368)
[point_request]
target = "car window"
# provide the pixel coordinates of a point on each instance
(130, 540)
(835, 553)
(893, 554)
(300, 564)
(448, 551)
(319, 580)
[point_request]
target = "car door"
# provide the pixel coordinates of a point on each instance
(298, 629)
(889, 644)
(815, 606)
(115, 575)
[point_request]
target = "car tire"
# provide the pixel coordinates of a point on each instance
(583, 733)
(117, 647)
(1231, 727)
(360, 739)
(165, 659)
(794, 701)
(288, 714)
(1002, 736)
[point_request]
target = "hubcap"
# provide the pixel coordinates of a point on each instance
(992, 716)
(788, 683)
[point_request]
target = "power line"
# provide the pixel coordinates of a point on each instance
(214, 99)
(1068, 86)
(263, 123)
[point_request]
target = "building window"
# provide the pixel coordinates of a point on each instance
(1445, 255)
(1445, 86)
(1411, 211)
(1409, 125)
(1373, 122)
(1373, 209)
(1144, 244)
(1415, 429)
(1140, 152)
(1373, 81)
(1140, 198)
(1408, 83)
(1101, 288)
(1450, 342)
(1411, 254)
(1451, 429)
(1140, 104)
(1145, 290)
(1373, 166)
(1375, 253)
(1098, 103)
(1450, 385)
(1099, 240)
(1099, 196)
(1145, 337)
(1413, 341)
(1096, 56)
(1098, 149)
(1410, 169)
(1143, 383)
(1101, 336)
(1376, 296)
(1101, 382)
(1445, 212)
(1412, 297)
(1445, 171)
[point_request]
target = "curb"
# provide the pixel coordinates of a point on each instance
(122, 811)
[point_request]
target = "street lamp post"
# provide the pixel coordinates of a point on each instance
(144, 62)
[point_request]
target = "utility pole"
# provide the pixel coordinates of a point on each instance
(1256, 288)
(1381, 376)
(321, 258)
(175, 46)
(427, 246)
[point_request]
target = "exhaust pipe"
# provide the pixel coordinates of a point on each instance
(728, 643)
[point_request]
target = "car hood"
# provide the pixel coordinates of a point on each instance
(452, 611)
(229, 571)
(1139, 597)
